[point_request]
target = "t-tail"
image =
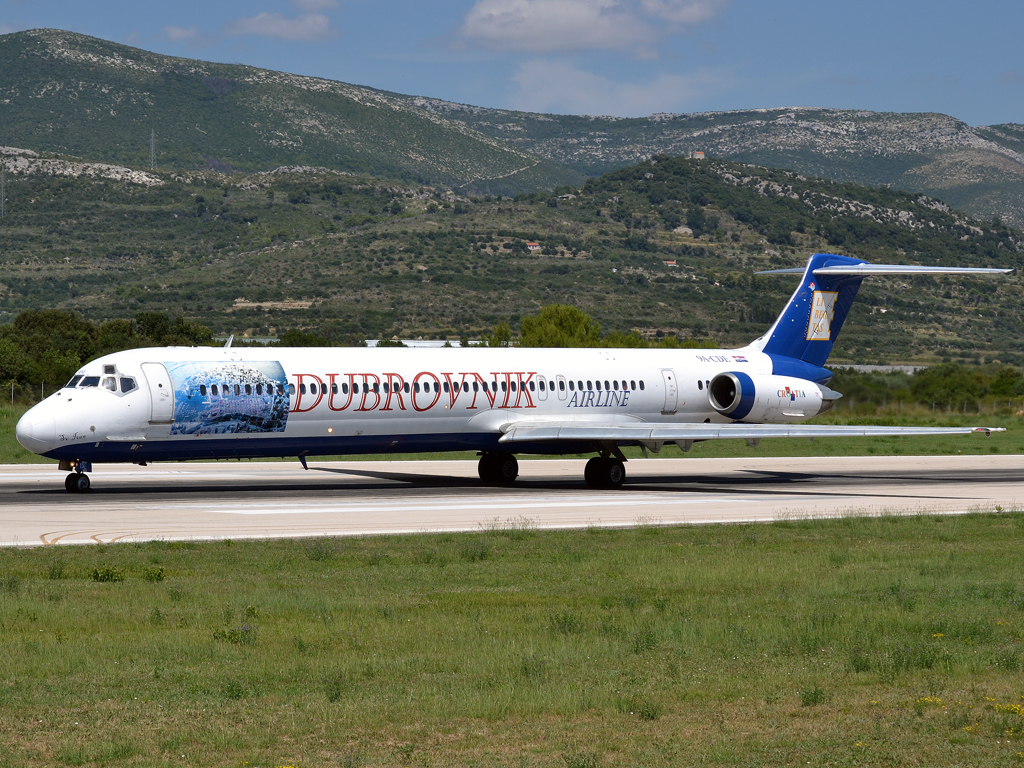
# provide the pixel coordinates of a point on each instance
(802, 337)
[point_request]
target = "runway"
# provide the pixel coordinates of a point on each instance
(279, 499)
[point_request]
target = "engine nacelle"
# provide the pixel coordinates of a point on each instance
(768, 399)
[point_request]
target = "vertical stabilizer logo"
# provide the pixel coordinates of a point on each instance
(823, 309)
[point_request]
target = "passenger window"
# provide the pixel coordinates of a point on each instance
(445, 385)
(579, 384)
(127, 385)
(606, 383)
(437, 388)
(476, 387)
(387, 387)
(238, 390)
(280, 389)
(90, 381)
(641, 385)
(707, 384)
(416, 387)
(213, 390)
(561, 385)
(259, 389)
(541, 386)
(533, 388)
(598, 385)
(406, 387)
(513, 385)
(291, 390)
(71, 384)
(615, 384)
(494, 386)
(355, 389)
(632, 384)
(344, 389)
(504, 387)
(572, 386)
(376, 389)
(248, 389)
(700, 385)
(302, 389)
(589, 385)
(465, 386)
(202, 390)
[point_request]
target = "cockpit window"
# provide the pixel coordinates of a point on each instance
(110, 383)
(90, 381)
(127, 384)
(73, 382)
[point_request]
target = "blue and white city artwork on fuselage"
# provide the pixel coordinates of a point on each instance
(220, 398)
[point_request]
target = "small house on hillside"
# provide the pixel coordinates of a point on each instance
(533, 246)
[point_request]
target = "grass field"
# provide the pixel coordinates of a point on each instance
(860, 641)
(1011, 441)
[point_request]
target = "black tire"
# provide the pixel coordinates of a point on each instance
(613, 474)
(82, 484)
(592, 472)
(506, 469)
(487, 468)
(70, 484)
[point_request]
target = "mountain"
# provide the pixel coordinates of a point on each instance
(977, 170)
(68, 93)
(667, 246)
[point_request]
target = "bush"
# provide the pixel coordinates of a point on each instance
(107, 573)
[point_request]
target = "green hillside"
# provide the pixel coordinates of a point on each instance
(352, 256)
(977, 170)
(69, 93)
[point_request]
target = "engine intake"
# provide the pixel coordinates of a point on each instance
(768, 399)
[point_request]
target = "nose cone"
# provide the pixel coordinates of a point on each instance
(36, 432)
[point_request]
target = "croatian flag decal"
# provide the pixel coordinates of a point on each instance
(739, 359)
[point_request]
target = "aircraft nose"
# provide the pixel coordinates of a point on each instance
(36, 434)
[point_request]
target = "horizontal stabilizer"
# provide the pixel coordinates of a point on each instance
(521, 432)
(865, 270)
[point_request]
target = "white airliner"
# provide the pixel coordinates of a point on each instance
(182, 403)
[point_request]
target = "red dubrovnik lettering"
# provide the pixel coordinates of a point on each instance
(436, 393)
(367, 391)
(393, 388)
(334, 391)
(300, 385)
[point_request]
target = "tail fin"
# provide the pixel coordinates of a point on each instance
(804, 333)
(801, 339)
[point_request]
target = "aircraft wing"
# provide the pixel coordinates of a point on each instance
(541, 431)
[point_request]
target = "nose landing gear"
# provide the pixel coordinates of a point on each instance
(77, 483)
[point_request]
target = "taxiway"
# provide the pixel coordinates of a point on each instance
(279, 499)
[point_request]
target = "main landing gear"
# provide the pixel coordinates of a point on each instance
(498, 468)
(604, 472)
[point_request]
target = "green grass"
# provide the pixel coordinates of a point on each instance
(864, 640)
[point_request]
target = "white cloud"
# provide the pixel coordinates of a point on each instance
(558, 87)
(316, 5)
(181, 34)
(309, 27)
(565, 25)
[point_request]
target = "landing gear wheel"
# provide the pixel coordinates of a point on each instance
(498, 468)
(614, 473)
(77, 483)
(604, 473)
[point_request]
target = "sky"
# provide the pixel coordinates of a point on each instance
(600, 57)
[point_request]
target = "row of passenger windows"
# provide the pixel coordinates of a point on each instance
(227, 390)
(111, 383)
